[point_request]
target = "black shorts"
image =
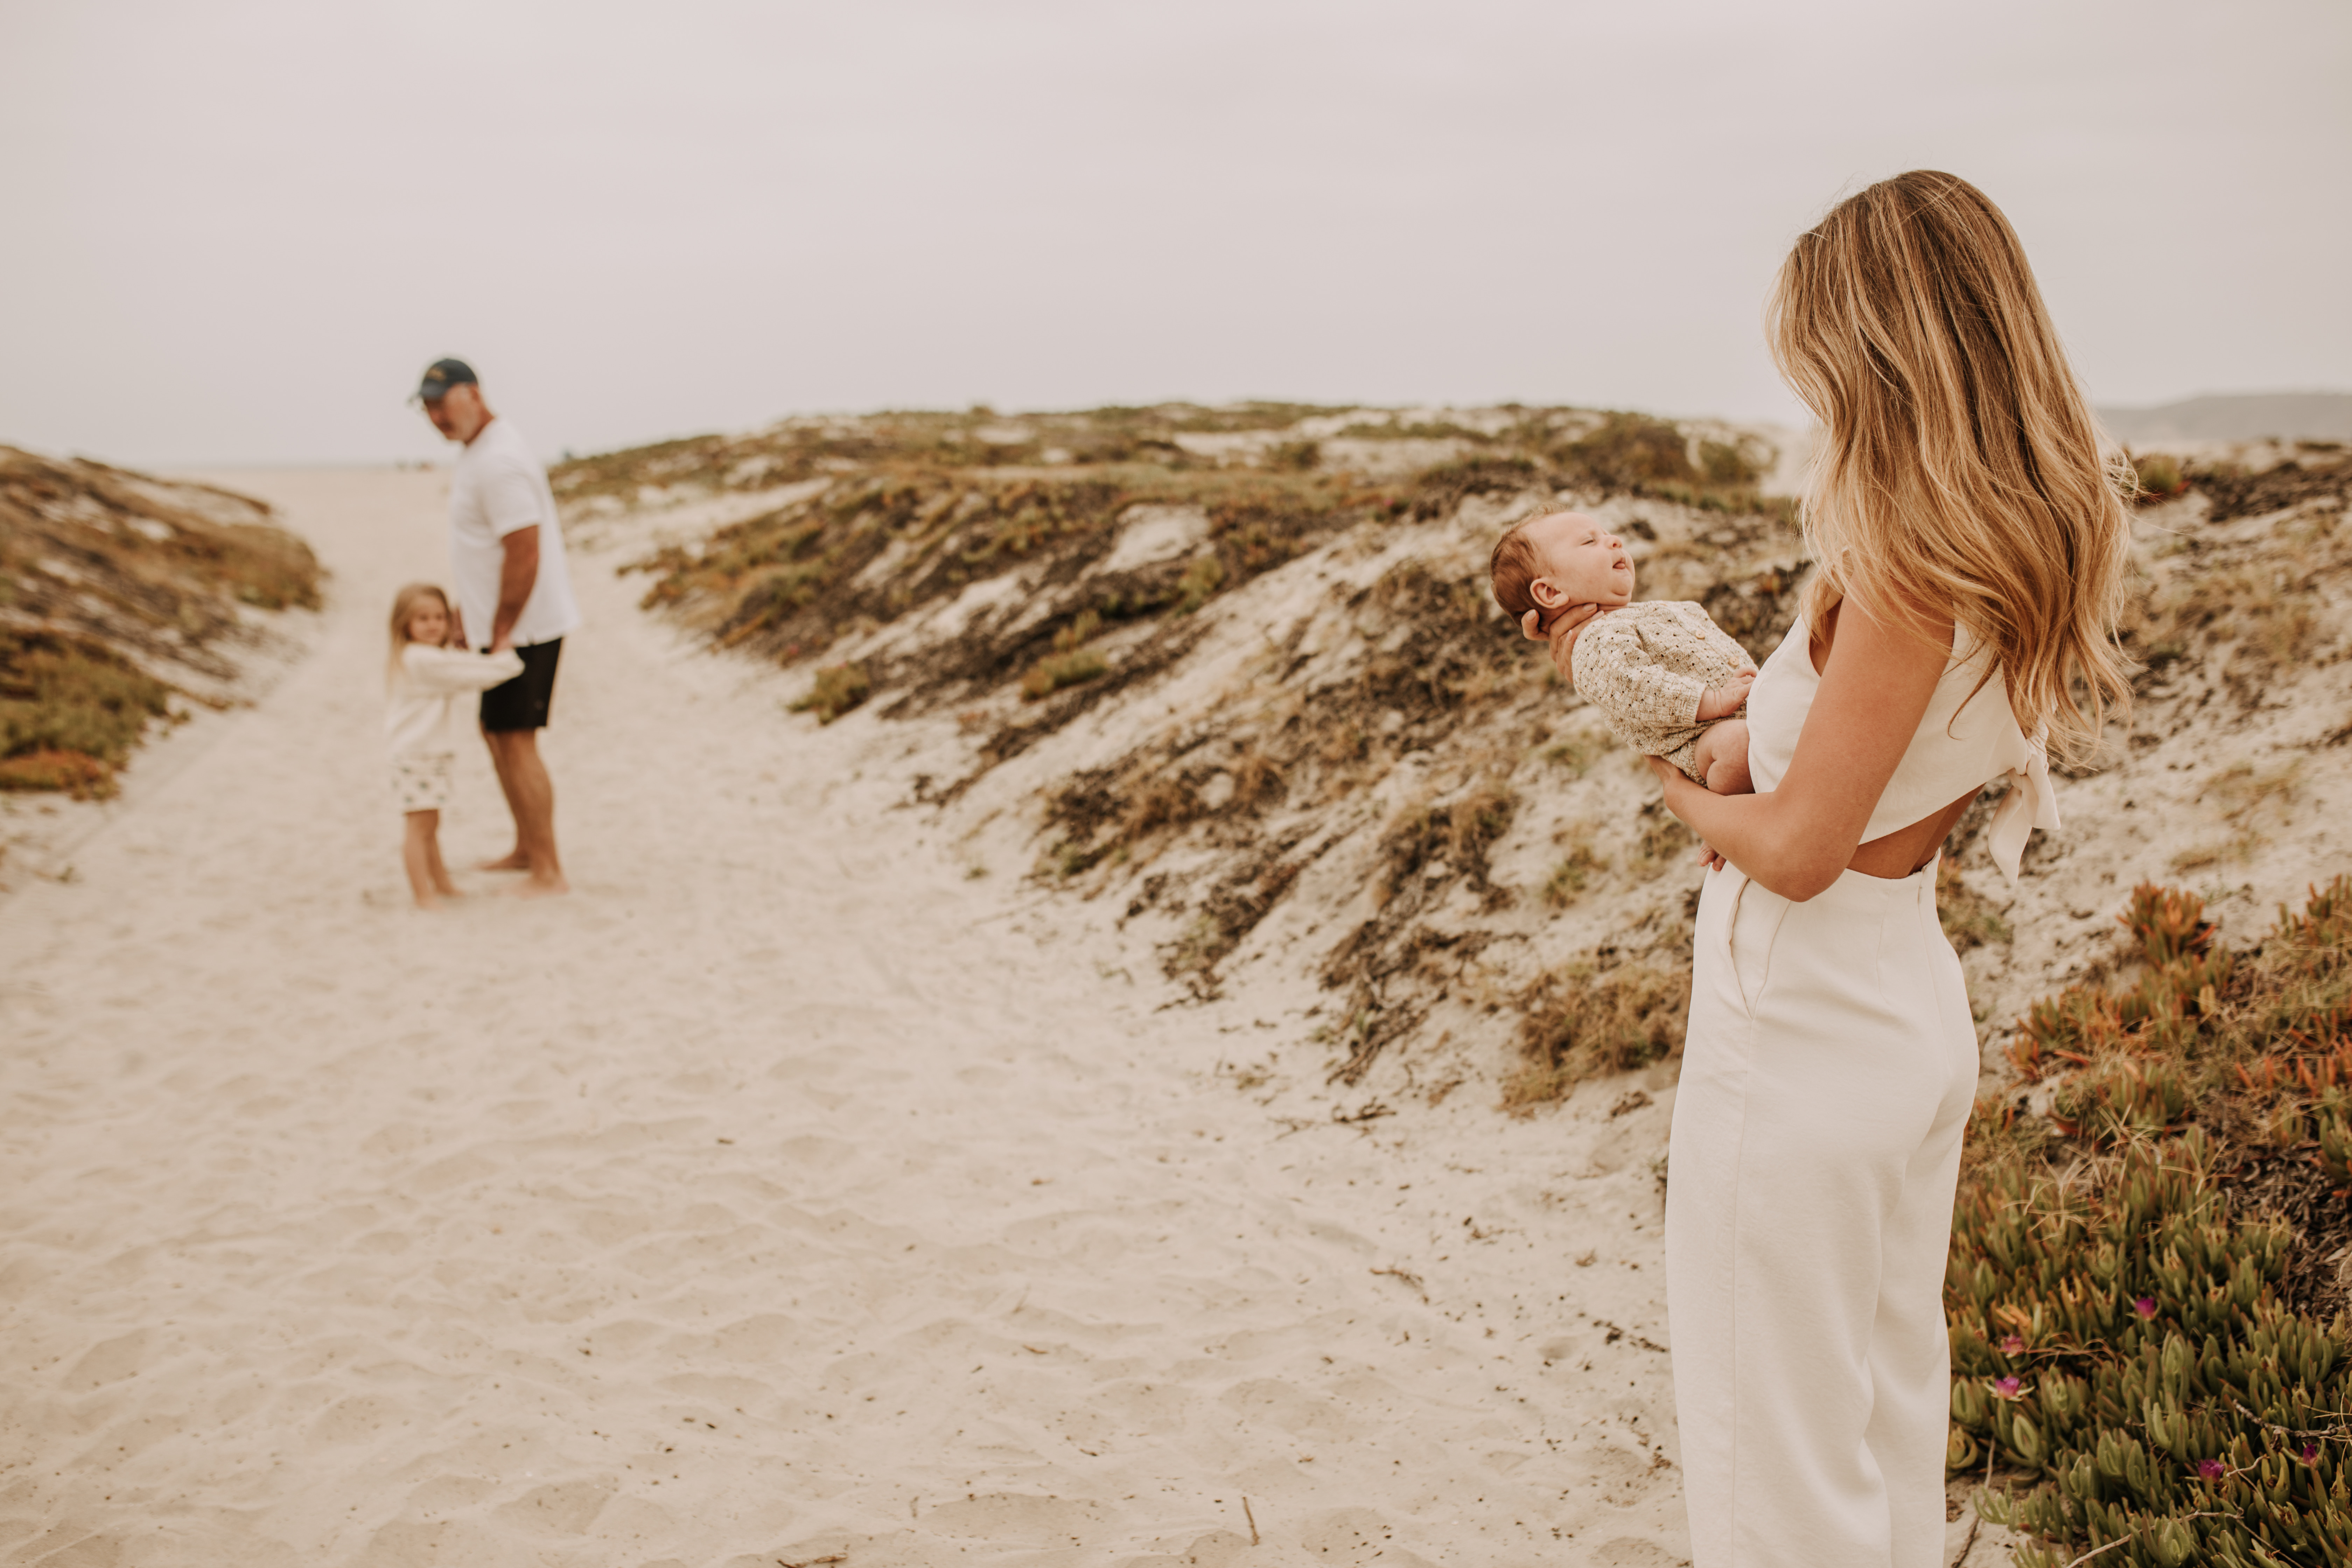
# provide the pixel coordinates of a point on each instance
(522, 703)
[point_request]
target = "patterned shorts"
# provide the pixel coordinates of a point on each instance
(421, 782)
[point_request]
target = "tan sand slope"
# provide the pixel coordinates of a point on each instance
(129, 605)
(782, 1195)
(1342, 781)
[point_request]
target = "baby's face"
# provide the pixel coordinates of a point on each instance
(1578, 563)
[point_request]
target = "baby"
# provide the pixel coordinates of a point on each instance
(1666, 678)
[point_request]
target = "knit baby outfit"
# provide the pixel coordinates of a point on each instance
(1645, 667)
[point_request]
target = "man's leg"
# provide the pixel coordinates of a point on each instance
(517, 858)
(512, 713)
(531, 795)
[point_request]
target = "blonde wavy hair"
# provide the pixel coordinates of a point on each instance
(404, 605)
(1962, 472)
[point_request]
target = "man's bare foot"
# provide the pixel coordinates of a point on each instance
(514, 861)
(536, 886)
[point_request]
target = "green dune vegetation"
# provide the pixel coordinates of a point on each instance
(117, 592)
(2149, 1286)
(935, 562)
(922, 504)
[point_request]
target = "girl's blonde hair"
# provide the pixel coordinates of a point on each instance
(1962, 473)
(404, 605)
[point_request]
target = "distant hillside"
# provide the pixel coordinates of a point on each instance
(1235, 673)
(2246, 417)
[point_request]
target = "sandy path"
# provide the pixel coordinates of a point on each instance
(781, 1195)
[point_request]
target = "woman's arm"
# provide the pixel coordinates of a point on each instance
(1798, 838)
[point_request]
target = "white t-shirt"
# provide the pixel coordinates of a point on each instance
(498, 488)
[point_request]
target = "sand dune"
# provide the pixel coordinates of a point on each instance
(783, 1196)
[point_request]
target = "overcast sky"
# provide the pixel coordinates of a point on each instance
(237, 230)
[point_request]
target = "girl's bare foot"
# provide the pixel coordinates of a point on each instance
(538, 887)
(514, 861)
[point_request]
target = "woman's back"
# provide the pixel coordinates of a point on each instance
(1968, 738)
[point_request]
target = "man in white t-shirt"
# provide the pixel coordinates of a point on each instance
(506, 550)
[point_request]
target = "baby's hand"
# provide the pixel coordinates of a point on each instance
(1722, 701)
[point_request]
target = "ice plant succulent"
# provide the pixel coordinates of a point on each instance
(2184, 1401)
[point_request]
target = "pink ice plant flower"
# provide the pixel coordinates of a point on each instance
(2012, 1346)
(2209, 1469)
(2145, 1307)
(2005, 1387)
(2311, 1453)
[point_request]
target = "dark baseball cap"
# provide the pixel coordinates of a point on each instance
(444, 374)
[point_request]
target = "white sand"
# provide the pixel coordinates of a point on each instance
(783, 1195)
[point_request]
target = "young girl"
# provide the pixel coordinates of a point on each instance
(1969, 520)
(422, 677)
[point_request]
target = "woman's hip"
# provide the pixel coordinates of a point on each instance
(1855, 994)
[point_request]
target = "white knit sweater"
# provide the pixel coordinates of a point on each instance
(424, 681)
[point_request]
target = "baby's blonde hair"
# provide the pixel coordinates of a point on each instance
(1962, 473)
(403, 606)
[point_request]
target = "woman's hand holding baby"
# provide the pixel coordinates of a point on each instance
(1561, 634)
(1721, 757)
(1680, 789)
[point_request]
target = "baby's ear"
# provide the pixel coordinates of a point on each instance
(1546, 593)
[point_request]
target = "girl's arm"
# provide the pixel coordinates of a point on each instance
(1800, 836)
(455, 669)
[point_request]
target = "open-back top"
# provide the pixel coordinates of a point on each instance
(1968, 738)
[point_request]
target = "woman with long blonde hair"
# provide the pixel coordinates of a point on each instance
(1971, 536)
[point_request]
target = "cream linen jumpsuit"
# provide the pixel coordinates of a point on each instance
(1831, 1065)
